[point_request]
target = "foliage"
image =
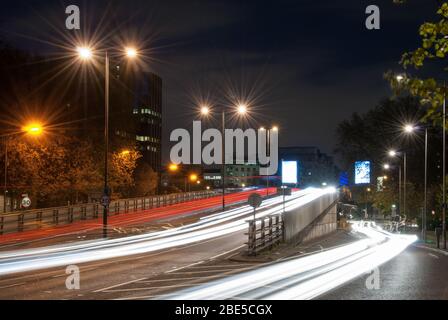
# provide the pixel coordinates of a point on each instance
(56, 170)
(434, 49)
(146, 180)
(368, 136)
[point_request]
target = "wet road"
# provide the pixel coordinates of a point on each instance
(416, 274)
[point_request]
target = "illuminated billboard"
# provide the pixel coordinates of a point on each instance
(362, 172)
(289, 172)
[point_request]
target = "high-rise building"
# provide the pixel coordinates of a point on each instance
(137, 112)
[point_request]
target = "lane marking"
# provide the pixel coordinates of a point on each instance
(222, 254)
(118, 285)
(13, 285)
(184, 267)
(433, 255)
(152, 288)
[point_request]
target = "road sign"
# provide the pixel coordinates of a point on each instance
(26, 202)
(105, 201)
(255, 200)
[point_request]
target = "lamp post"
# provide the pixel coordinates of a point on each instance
(242, 111)
(85, 54)
(392, 154)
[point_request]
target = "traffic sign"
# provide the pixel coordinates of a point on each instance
(105, 201)
(26, 202)
(255, 200)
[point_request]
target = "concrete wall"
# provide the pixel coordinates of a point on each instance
(312, 220)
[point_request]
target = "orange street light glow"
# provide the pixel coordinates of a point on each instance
(33, 129)
(193, 177)
(173, 167)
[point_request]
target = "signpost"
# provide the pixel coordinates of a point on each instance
(255, 201)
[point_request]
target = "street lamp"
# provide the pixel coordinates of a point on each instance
(86, 53)
(32, 129)
(410, 129)
(241, 110)
(394, 154)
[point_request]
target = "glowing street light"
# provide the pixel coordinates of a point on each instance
(193, 177)
(173, 167)
(242, 109)
(205, 110)
(85, 53)
(386, 166)
(409, 128)
(33, 129)
(275, 128)
(399, 77)
(392, 153)
(131, 52)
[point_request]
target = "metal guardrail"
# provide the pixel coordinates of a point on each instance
(40, 218)
(264, 233)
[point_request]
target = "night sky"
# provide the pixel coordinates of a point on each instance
(305, 65)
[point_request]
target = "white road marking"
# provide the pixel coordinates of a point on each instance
(433, 255)
(184, 267)
(13, 285)
(222, 254)
(118, 285)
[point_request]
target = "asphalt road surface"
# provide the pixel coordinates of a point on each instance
(416, 274)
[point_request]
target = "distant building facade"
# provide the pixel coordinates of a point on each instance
(315, 168)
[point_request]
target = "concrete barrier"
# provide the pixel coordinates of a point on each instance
(312, 220)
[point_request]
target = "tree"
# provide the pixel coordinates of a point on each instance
(122, 167)
(146, 180)
(433, 50)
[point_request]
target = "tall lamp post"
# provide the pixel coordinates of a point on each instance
(409, 129)
(393, 154)
(33, 129)
(399, 79)
(86, 53)
(242, 111)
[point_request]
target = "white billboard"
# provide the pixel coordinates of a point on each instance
(289, 172)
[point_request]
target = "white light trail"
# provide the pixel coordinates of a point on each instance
(309, 276)
(208, 228)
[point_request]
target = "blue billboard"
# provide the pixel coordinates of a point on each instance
(362, 172)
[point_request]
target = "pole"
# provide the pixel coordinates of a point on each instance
(425, 207)
(400, 188)
(5, 191)
(268, 149)
(106, 150)
(444, 169)
(404, 182)
(223, 166)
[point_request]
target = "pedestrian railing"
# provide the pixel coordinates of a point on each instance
(40, 218)
(264, 233)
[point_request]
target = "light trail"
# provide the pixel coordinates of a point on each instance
(309, 276)
(208, 228)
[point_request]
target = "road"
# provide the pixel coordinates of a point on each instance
(108, 264)
(416, 274)
(93, 228)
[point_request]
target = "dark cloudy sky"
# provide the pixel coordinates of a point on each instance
(304, 64)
